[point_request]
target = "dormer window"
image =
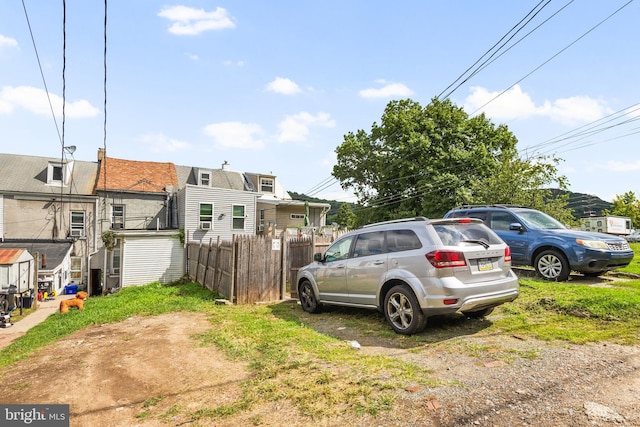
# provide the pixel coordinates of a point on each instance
(58, 173)
(205, 179)
(266, 185)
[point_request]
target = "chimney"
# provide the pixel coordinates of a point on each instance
(102, 153)
(225, 166)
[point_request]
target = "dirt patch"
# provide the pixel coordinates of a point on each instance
(112, 375)
(149, 371)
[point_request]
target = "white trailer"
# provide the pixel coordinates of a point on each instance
(619, 225)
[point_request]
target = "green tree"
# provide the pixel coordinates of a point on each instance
(426, 160)
(527, 182)
(626, 205)
(345, 216)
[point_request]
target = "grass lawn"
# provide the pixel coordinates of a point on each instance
(284, 351)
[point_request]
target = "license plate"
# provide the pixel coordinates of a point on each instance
(485, 265)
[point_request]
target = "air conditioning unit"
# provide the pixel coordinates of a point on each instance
(117, 225)
(76, 233)
(261, 227)
(205, 225)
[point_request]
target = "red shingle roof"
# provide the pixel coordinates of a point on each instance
(10, 256)
(132, 175)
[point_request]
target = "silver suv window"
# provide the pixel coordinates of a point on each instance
(402, 240)
(457, 234)
(369, 244)
(339, 250)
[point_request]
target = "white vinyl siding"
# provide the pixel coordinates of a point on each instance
(223, 200)
(148, 259)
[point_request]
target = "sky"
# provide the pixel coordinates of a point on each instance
(273, 87)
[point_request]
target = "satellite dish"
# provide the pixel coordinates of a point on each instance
(70, 149)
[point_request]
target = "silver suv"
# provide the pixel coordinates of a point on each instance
(411, 269)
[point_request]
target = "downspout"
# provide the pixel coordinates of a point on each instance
(95, 246)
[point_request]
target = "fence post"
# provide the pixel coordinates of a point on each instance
(232, 287)
(214, 283)
(283, 265)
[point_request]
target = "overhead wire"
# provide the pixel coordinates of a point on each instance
(44, 81)
(487, 63)
(551, 58)
(495, 48)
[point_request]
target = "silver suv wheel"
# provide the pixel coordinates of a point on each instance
(308, 299)
(403, 312)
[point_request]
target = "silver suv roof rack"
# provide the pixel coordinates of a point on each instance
(395, 221)
(503, 205)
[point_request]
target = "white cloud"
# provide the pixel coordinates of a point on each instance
(192, 56)
(390, 90)
(235, 134)
(576, 109)
(35, 100)
(283, 86)
(230, 63)
(617, 166)
(516, 104)
(296, 128)
(190, 21)
(7, 42)
(162, 143)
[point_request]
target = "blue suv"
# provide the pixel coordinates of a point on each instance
(539, 240)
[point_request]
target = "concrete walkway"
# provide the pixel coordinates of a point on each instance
(44, 310)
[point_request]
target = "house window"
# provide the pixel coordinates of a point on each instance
(76, 269)
(77, 223)
(206, 216)
(297, 216)
(117, 216)
(238, 217)
(205, 179)
(115, 261)
(266, 185)
(55, 173)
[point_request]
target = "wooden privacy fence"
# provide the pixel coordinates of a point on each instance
(251, 269)
(300, 251)
(245, 270)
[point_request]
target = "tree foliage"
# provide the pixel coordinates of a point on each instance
(426, 160)
(345, 216)
(626, 205)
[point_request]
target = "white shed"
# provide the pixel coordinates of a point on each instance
(150, 256)
(17, 268)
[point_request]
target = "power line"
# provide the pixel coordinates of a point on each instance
(515, 30)
(552, 57)
(44, 81)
